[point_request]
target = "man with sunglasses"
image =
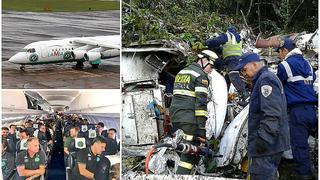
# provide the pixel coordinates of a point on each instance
(268, 131)
(188, 109)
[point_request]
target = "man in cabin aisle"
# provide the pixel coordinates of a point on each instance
(231, 51)
(188, 109)
(31, 163)
(268, 135)
(73, 134)
(297, 77)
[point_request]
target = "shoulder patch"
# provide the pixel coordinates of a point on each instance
(205, 82)
(266, 90)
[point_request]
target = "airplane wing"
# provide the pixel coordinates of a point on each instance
(98, 44)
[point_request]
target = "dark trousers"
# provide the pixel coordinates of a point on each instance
(234, 76)
(186, 161)
(264, 167)
(302, 120)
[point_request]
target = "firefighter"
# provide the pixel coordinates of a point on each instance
(297, 77)
(268, 135)
(188, 110)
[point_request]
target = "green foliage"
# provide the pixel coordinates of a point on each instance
(194, 21)
(188, 20)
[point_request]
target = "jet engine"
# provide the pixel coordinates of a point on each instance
(92, 56)
(110, 53)
(78, 54)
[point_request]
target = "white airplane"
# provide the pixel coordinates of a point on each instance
(78, 49)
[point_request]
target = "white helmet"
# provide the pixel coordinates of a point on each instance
(210, 55)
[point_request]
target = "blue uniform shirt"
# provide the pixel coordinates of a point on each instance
(222, 39)
(267, 115)
(297, 77)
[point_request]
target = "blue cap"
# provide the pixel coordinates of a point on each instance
(286, 43)
(247, 58)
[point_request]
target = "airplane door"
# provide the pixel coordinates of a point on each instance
(43, 52)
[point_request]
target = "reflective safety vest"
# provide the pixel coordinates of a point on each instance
(232, 47)
(297, 77)
(190, 96)
(291, 78)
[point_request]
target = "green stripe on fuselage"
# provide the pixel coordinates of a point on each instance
(49, 62)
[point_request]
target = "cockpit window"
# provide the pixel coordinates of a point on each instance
(31, 50)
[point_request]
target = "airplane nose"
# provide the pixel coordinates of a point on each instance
(20, 57)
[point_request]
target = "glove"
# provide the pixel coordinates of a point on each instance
(200, 133)
(261, 146)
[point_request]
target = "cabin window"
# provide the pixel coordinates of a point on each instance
(31, 50)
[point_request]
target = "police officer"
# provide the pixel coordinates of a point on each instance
(232, 50)
(268, 135)
(7, 161)
(188, 110)
(87, 162)
(31, 163)
(297, 77)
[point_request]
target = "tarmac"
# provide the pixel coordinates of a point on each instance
(61, 76)
(22, 28)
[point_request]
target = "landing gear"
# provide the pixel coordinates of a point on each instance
(79, 65)
(22, 68)
(94, 66)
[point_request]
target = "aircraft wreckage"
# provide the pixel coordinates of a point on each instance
(147, 75)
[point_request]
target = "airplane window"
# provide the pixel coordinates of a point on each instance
(31, 50)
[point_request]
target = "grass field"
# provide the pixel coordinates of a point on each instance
(60, 5)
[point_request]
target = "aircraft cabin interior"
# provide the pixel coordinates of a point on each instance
(61, 124)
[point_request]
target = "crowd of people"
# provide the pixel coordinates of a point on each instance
(26, 148)
(282, 107)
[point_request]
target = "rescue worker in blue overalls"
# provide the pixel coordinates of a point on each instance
(268, 135)
(232, 50)
(297, 77)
